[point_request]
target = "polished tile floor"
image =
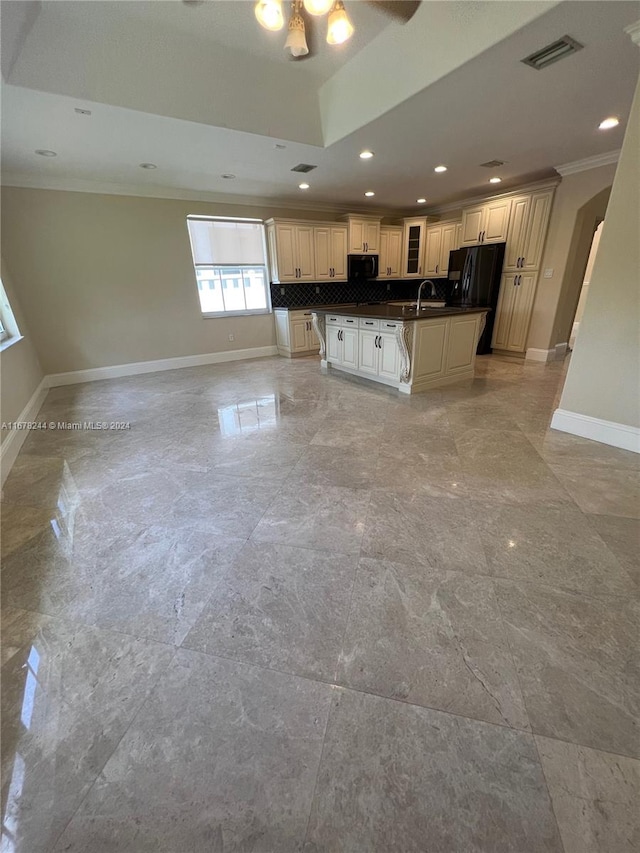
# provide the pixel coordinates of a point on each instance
(286, 611)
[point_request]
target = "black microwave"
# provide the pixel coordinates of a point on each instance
(362, 267)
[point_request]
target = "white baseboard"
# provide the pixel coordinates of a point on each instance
(606, 432)
(137, 367)
(543, 355)
(10, 447)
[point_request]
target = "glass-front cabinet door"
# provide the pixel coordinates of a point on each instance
(413, 261)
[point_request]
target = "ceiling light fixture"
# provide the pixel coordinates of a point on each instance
(440, 169)
(366, 154)
(44, 152)
(369, 194)
(340, 28)
(148, 166)
(303, 186)
(608, 123)
(269, 14)
(421, 200)
(296, 42)
(495, 180)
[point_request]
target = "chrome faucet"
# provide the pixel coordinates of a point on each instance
(433, 292)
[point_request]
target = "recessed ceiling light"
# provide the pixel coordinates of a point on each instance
(421, 200)
(366, 155)
(369, 194)
(148, 166)
(44, 152)
(494, 180)
(440, 169)
(304, 186)
(227, 176)
(608, 123)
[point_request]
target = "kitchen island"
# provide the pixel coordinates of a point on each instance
(400, 346)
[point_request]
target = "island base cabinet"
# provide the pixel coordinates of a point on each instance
(342, 346)
(389, 358)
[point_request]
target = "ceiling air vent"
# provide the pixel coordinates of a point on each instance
(303, 167)
(552, 53)
(493, 164)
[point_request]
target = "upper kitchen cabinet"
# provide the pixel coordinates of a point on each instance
(527, 230)
(291, 250)
(330, 242)
(486, 223)
(413, 248)
(390, 260)
(364, 235)
(441, 239)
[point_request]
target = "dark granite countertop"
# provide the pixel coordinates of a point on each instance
(396, 312)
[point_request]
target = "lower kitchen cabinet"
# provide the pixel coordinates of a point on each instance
(294, 333)
(342, 345)
(513, 312)
(378, 355)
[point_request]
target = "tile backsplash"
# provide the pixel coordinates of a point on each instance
(333, 293)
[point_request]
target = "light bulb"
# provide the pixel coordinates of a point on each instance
(608, 123)
(296, 42)
(269, 14)
(318, 7)
(340, 28)
(440, 169)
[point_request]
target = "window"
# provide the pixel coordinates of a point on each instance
(9, 332)
(230, 262)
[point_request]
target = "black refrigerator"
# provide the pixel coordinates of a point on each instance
(474, 276)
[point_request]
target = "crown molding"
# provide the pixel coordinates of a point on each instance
(633, 30)
(547, 183)
(80, 185)
(588, 163)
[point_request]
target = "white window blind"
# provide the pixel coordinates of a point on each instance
(219, 243)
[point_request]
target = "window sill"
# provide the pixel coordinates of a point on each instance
(219, 315)
(10, 342)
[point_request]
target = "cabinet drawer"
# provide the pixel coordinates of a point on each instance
(366, 323)
(389, 326)
(300, 315)
(348, 321)
(332, 319)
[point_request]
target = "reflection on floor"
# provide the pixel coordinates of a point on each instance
(286, 611)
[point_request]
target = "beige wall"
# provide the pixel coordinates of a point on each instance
(20, 371)
(604, 375)
(109, 280)
(566, 254)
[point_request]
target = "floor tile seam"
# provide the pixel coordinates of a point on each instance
(342, 686)
(134, 717)
(535, 729)
(549, 794)
(632, 758)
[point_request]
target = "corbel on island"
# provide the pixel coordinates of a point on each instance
(397, 345)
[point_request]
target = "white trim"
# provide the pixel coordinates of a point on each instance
(10, 447)
(588, 163)
(80, 185)
(544, 355)
(546, 183)
(561, 350)
(115, 371)
(606, 432)
(633, 30)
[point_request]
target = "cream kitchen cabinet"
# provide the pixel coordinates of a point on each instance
(342, 340)
(527, 231)
(413, 247)
(291, 251)
(440, 240)
(364, 235)
(390, 255)
(330, 244)
(486, 223)
(513, 312)
(295, 335)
